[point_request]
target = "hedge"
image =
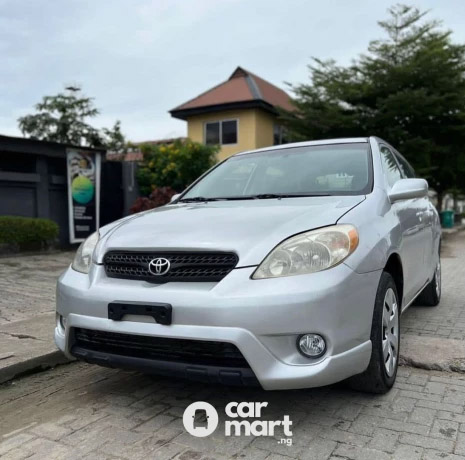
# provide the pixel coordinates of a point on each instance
(27, 232)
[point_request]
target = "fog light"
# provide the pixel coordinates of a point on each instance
(311, 345)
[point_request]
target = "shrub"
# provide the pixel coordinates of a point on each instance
(27, 232)
(158, 197)
(174, 165)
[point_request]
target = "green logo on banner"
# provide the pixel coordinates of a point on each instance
(82, 189)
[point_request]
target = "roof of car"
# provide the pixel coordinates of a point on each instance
(347, 140)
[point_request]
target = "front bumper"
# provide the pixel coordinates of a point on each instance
(263, 318)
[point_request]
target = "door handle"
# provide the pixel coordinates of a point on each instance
(420, 215)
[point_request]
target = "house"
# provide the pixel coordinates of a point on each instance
(238, 114)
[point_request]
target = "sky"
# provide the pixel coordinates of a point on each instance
(141, 58)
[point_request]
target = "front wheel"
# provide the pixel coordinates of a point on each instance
(381, 373)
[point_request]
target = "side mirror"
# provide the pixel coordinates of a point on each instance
(405, 189)
(175, 197)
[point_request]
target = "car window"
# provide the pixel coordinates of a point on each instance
(407, 170)
(337, 169)
(390, 167)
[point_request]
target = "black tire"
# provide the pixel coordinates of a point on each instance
(375, 378)
(431, 294)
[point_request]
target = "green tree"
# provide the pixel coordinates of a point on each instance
(114, 140)
(408, 89)
(175, 165)
(63, 118)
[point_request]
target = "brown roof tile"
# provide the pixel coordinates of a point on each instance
(242, 86)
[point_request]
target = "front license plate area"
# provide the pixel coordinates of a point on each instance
(160, 312)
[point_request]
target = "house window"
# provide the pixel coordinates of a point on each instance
(212, 133)
(221, 132)
(279, 135)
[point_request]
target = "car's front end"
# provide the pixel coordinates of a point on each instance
(263, 319)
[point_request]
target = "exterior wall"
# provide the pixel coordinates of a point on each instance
(264, 123)
(33, 183)
(36, 185)
(255, 129)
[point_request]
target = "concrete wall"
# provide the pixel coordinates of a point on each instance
(33, 183)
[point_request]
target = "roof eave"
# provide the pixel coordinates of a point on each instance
(183, 114)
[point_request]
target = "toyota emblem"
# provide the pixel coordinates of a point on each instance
(159, 266)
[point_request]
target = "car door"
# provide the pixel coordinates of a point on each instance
(410, 215)
(426, 217)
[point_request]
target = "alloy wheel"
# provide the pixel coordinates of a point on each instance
(390, 333)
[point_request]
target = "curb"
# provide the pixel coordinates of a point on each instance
(33, 365)
(432, 353)
(452, 231)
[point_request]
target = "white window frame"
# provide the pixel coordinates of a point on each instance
(221, 130)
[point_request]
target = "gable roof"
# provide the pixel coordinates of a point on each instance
(243, 89)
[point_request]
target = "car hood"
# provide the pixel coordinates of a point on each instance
(248, 228)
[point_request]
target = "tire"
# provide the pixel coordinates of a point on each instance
(431, 294)
(380, 375)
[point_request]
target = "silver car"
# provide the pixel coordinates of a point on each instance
(287, 267)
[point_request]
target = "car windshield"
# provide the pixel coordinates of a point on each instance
(334, 169)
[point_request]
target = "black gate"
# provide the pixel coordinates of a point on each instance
(111, 192)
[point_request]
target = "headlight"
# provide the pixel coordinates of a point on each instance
(309, 252)
(83, 258)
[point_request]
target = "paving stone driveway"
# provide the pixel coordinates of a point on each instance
(81, 411)
(27, 284)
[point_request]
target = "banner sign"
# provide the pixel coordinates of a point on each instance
(83, 193)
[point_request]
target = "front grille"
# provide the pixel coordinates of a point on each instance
(196, 352)
(184, 266)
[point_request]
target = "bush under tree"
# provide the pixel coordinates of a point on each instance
(174, 165)
(159, 197)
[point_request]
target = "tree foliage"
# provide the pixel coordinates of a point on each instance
(114, 140)
(175, 165)
(408, 89)
(64, 118)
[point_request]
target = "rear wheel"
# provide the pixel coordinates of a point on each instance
(381, 373)
(431, 294)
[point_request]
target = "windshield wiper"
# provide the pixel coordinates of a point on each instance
(265, 196)
(218, 198)
(195, 199)
(260, 196)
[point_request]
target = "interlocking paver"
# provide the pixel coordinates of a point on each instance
(95, 417)
(423, 416)
(405, 452)
(27, 284)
